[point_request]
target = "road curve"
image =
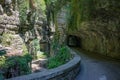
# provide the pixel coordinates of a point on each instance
(97, 67)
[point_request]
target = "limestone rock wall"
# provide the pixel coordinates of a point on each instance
(62, 22)
(9, 23)
(101, 33)
(9, 36)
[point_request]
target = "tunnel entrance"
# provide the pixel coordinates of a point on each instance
(73, 41)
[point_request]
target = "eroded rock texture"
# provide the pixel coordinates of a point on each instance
(62, 22)
(10, 38)
(101, 32)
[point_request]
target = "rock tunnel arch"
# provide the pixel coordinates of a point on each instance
(73, 41)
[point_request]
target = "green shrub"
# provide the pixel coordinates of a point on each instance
(21, 62)
(18, 64)
(62, 57)
(28, 57)
(2, 52)
(23, 7)
(2, 61)
(54, 62)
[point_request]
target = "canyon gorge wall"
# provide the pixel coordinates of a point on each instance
(97, 26)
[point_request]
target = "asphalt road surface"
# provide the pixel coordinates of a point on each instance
(97, 67)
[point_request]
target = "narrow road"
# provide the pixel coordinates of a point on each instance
(97, 67)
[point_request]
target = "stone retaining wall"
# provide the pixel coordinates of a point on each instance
(67, 71)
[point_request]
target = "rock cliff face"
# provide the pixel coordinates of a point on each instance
(62, 22)
(9, 23)
(19, 29)
(10, 38)
(101, 32)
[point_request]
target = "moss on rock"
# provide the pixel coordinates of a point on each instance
(99, 30)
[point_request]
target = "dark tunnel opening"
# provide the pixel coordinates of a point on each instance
(73, 41)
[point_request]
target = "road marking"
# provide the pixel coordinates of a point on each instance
(103, 77)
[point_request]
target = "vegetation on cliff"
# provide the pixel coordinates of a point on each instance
(96, 23)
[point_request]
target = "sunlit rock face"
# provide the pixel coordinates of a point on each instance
(9, 22)
(101, 34)
(9, 37)
(62, 22)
